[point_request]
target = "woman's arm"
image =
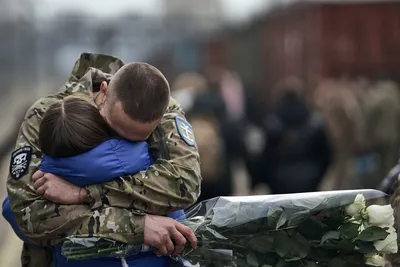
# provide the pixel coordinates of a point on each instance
(104, 163)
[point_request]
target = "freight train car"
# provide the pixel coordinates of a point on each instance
(244, 53)
(313, 40)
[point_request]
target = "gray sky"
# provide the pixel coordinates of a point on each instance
(98, 7)
(232, 9)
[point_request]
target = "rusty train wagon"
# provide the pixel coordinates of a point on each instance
(313, 40)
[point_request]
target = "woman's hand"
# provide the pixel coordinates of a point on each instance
(56, 189)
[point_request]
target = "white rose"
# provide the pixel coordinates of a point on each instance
(375, 260)
(389, 245)
(354, 210)
(380, 216)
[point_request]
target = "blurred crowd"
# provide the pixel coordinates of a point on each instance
(341, 134)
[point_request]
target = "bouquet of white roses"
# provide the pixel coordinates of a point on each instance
(332, 229)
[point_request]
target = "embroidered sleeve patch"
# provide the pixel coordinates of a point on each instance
(20, 160)
(185, 130)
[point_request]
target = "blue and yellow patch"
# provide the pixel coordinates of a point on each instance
(185, 130)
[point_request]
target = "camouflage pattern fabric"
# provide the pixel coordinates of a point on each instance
(117, 208)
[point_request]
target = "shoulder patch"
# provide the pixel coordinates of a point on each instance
(185, 130)
(20, 160)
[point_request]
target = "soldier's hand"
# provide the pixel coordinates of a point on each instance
(167, 235)
(56, 189)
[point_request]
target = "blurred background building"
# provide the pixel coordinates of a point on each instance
(284, 96)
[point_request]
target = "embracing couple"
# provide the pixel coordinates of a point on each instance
(110, 156)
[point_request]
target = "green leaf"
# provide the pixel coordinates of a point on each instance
(299, 247)
(320, 254)
(342, 246)
(262, 243)
(273, 219)
(253, 227)
(329, 236)
(298, 217)
(251, 259)
(238, 262)
(312, 229)
(282, 263)
(282, 220)
(355, 258)
(336, 262)
(310, 264)
(346, 246)
(334, 218)
(291, 248)
(269, 258)
(281, 244)
(349, 230)
(373, 233)
(215, 233)
(347, 261)
(365, 247)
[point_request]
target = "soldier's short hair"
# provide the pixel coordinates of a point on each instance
(70, 127)
(142, 90)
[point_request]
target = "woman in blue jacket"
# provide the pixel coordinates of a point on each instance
(86, 154)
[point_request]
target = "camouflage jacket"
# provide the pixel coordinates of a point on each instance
(116, 208)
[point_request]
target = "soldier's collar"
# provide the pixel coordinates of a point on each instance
(88, 83)
(104, 63)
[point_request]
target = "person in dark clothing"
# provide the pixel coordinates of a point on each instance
(205, 108)
(297, 152)
(208, 118)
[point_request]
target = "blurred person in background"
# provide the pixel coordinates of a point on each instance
(206, 112)
(227, 138)
(244, 136)
(248, 142)
(365, 163)
(297, 152)
(391, 186)
(186, 87)
(227, 93)
(382, 128)
(344, 121)
(254, 140)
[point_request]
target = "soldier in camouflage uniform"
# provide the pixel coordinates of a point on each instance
(116, 209)
(191, 90)
(343, 115)
(382, 127)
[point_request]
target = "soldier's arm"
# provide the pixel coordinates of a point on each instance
(47, 223)
(171, 183)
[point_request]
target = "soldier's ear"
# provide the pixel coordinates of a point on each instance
(103, 88)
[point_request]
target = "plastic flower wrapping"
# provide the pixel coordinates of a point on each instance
(332, 229)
